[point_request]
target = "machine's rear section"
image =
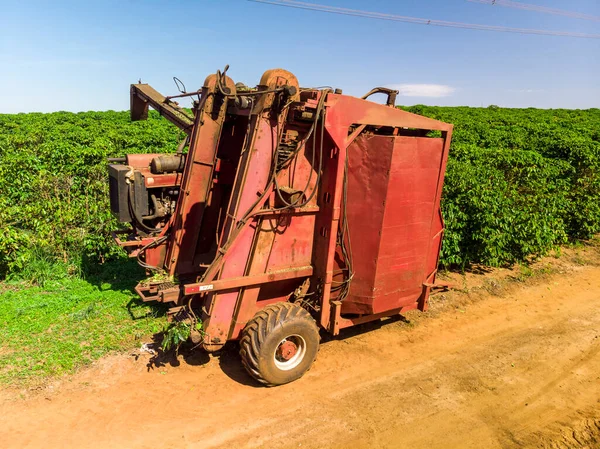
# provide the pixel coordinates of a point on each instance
(284, 208)
(397, 230)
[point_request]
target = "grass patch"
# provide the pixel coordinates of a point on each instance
(57, 327)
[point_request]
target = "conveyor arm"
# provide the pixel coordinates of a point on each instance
(144, 95)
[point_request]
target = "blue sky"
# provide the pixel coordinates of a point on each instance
(82, 55)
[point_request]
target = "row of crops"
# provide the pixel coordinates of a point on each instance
(520, 182)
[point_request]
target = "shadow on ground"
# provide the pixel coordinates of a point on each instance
(122, 275)
(229, 358)
(191, 354)
(364, 328)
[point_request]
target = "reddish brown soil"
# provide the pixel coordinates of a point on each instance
(506, 364)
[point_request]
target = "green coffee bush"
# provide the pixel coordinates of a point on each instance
(519, 183)
(53, 184)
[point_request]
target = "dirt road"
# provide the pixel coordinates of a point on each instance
(520, 370)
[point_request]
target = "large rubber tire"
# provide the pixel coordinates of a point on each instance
(264, 338)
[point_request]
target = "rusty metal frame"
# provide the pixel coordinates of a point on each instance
(244, 281)
(197, 177)
(342, 112)
(143, 96)
(251, 190)
(343, 323)
(430, 280)
(152, 293)
(229, 287)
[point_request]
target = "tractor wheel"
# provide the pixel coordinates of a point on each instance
(279, 344)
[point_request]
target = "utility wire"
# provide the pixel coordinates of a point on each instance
(408, 19)
(536, 8)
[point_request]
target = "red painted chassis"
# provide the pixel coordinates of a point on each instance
(379, 169)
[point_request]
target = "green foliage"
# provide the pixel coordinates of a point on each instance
(69, 322)
(175, 334)
(178, 332)
(519, 182)
(54, 185)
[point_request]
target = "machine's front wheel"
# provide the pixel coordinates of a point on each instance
(279, 344)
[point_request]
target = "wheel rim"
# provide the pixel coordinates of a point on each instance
(289, 352)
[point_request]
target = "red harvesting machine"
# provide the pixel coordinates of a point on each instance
(292, 209)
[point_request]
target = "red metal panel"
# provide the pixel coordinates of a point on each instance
(330, 198)
(197, 178)
(406, 232)
(243, 281)
(292, 244)
(140, 160)
(352, 110)
(392, 231)
(343, 112)
(283, 244)
(369, 160)
(252, 250)
(166, 180)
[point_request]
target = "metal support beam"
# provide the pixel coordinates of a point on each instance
(244, 281)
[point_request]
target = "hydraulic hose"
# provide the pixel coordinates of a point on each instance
(137, 218)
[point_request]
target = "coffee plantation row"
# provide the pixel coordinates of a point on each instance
(520, 182)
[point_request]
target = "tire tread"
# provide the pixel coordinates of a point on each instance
(257, 330)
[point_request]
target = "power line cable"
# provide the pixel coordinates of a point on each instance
(408, 19)
(537, 8)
